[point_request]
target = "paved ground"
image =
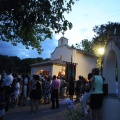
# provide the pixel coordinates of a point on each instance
(111, 108)
(110, 111)
(44, 113)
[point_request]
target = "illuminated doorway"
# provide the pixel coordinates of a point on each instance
(42, 73)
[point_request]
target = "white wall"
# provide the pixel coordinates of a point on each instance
(64, 51)
(85, 64)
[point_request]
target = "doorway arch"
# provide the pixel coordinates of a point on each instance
(111, 63)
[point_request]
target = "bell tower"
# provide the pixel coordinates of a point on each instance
(62, 41)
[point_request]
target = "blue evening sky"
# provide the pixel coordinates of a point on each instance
(84, 16)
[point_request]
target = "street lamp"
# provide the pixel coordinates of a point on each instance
(101, 52)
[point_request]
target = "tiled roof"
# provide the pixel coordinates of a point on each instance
(50, 62)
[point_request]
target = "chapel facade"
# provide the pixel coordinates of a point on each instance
(62, 55)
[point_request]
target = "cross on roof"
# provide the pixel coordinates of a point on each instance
(63, 33)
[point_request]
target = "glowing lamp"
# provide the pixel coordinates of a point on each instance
(101, 51)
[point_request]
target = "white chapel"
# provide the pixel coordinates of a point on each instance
(62, 54)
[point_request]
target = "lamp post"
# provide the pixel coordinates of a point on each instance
(101, 52)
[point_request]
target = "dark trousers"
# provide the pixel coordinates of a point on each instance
(7, 102)
(7, 97)
(55, 99)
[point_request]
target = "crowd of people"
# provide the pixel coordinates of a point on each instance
(15, 90)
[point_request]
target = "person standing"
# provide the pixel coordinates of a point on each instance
(12, 98)
(35, 91)
(58, 78)
(47, 90)
(17, 91)
(71, 87)
(2, 100)
(54, 92)
(85, 99)
(79, 88)
(25, 88)
(96, 97)
(7, 82)
(64, 88)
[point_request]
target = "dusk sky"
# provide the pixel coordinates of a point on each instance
(84, 16)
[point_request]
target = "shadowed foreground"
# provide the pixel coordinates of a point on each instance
(110, 111)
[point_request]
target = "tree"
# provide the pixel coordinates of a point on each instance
(6, 63)
(85, 45)
(72, 46)
(18, 65)
(104, 33)
(32, 21)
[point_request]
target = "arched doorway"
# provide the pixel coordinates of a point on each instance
(111, 67)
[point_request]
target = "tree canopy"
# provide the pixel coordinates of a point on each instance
(104, 33)
(17, 64)
(32, 21)
(85, 45)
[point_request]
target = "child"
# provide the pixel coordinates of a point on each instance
(2, 100)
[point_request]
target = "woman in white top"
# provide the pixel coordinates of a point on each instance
(25, 88)
(17, 91)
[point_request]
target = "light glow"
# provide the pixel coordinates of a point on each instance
(101, 51)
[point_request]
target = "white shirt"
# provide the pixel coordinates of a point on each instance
(25, 81)
(17, 89)
(8, 80)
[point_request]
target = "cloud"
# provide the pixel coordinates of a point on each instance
(83, 30)
(6, 48)
(49, 46)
